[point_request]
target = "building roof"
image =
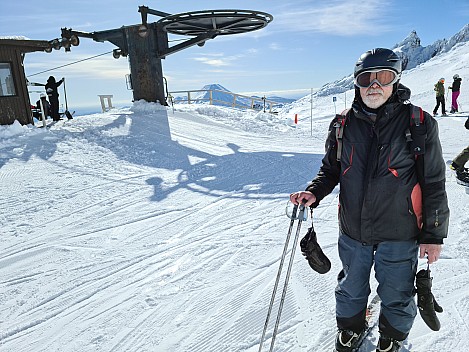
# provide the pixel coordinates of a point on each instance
(26, 45)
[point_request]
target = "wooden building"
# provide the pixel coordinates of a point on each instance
(14, 97)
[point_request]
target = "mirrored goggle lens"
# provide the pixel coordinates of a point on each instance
(382, 77)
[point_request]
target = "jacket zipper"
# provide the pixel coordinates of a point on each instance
(377, 155)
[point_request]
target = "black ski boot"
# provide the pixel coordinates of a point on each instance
(463, 176)
(347, 340)
(426, 302)
(388, 344)
(312, 251)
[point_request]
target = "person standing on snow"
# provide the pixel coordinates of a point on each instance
(455, 87)
(386, 217)
(45, 106)
(459, 162)
(440, 97)
(53, 94)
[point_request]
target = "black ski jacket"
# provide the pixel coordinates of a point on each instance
(380, 198)
(456, 85)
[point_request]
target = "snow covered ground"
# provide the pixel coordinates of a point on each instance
(148, 229)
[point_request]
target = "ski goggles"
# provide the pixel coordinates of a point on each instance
(382, 77)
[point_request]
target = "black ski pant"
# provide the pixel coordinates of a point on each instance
(440, 100)
(462, 158)
(54, 108)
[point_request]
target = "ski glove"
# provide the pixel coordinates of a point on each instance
(310, 248)
(426, 302)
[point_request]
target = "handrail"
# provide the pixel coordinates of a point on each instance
(233, 104)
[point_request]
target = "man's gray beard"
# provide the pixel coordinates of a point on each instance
(374, 102)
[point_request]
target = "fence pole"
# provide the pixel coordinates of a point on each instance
(312, 89)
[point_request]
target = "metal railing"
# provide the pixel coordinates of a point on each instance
(255, 103)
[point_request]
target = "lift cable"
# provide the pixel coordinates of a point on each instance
(89, 58)
(71, 63)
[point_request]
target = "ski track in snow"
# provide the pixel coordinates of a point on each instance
(99, 267)
(110, 267)
(123, 233)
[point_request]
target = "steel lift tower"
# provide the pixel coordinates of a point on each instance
(147, 43)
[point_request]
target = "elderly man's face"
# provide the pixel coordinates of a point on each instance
(375, 95)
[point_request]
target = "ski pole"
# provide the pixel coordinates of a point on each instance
(285, 248)
(65, 96)
(447, 95)
(293, 217)
(287, 277)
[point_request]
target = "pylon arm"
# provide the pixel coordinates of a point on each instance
(115, 36)
(144, 10)
(199, 40)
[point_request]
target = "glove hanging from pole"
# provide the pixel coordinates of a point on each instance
(311, 249)
(426, 302)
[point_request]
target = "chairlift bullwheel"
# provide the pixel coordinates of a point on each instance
(220, 22)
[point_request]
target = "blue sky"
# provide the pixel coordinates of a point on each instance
(308, 44)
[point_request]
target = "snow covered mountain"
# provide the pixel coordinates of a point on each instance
(221, 96)
(224, 97)
(412, 54)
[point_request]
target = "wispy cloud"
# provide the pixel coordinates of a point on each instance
(336, 17)
(275, 46)
(219, 59)
(212, 62)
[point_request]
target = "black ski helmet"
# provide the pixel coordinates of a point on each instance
(378, 58)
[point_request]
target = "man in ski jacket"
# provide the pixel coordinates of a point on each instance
(53, 94)
(455, 87)
(440, 97)
(387, 213)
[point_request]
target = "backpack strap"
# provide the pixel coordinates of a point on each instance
(339, 131)
(416, 134)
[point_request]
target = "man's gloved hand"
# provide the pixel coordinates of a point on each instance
(426, 302)
(312, 251)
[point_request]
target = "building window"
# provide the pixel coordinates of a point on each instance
(7, 86)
